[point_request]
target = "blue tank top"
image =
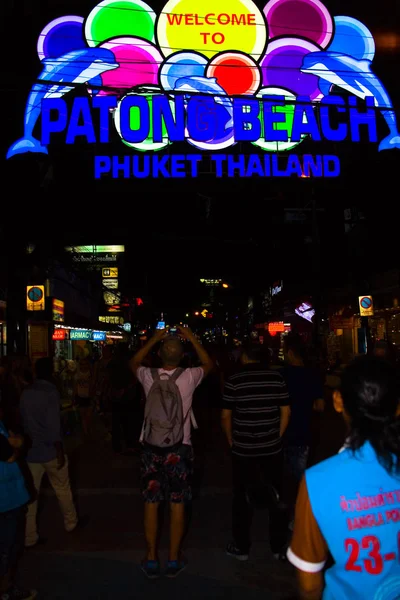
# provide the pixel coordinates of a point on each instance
(356, 504)
(13, 493)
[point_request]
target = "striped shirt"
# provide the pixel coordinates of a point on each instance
(255, 396)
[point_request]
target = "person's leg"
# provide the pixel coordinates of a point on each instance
(59, 480)
(278, 515)
(152, 490)
(177, 529)
(151, 529)
(178, 466)
(31, 534)
(242, 511)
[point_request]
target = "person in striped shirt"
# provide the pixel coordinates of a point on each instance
(255, 416)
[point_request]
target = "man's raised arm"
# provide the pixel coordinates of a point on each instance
(206, 362)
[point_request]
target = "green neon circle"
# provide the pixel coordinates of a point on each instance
(148, 144)
(288, 110)
(119, 18)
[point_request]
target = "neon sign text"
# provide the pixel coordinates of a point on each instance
(272, 78)
(181, 166)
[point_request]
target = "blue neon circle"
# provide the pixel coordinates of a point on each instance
(352, 38)
(179, 65)
(61, 36)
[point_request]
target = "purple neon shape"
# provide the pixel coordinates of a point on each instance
(308, 19)
(281, 67)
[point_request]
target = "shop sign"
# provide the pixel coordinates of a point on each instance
(59, 334)
(111, 298)
(276, 327)
(110, 272)
(80, 334)
(111, 284)
(58, 310)
(95, 256)
(338, 322)
(111, 319)
(366, 304)
(96, 249)
(35, 298)
(223, 75)
(99, 336)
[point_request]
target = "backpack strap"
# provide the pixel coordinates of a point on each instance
(177, 374)
(155, 375)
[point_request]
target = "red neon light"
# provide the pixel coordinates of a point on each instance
(274, 328)
(139, 301)
(59, 334)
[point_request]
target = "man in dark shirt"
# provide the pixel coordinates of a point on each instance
(254, 417)
(306, 394)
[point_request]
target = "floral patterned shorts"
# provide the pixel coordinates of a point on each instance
(167, 474)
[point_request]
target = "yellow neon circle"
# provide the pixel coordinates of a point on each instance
(192, 25)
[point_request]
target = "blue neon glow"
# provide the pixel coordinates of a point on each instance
(181, 64)
(241, 165)
(183, 104)
(203, 122)
(61, 36)
(74, 68)
(353, 38)
(99, 336)
(356, 77)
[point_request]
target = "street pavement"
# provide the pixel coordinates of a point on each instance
(101, 560)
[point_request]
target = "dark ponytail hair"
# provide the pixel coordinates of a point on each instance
(370, 392)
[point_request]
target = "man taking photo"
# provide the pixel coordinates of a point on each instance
(167, 455)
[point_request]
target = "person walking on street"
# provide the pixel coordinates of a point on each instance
(348, 506)
(40, 410)
(167, 455)
(255, 415)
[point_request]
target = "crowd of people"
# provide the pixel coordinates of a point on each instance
(145, 399)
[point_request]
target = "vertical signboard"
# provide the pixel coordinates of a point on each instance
(366, 306)
(35, 299)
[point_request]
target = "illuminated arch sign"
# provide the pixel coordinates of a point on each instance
(213, 77)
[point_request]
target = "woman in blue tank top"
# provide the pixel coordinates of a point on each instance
(349, 505)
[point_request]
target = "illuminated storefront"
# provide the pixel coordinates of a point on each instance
(230, 74)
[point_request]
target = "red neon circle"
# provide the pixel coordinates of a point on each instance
(236, 73)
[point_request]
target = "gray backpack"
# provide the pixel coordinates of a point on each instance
(163, 413)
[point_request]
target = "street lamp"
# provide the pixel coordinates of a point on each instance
(225, 285)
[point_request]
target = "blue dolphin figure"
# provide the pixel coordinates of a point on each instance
(356, 77)
(60, 76)
(207, 85)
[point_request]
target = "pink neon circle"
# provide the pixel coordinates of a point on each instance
(139, 62)
(309, 19)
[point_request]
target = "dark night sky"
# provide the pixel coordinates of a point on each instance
(139, 213)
